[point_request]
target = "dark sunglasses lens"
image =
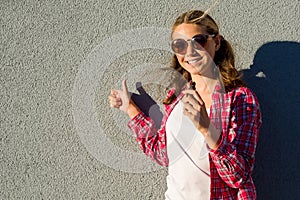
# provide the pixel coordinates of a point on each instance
(179, 46)
(199, 39)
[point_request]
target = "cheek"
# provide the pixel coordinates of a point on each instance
(210, 49)
(180, 59)
(212, 54)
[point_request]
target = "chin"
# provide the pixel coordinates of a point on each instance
(194, 71)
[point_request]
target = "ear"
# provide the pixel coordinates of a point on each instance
(218, 42)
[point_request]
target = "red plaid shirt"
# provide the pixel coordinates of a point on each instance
(236, 114)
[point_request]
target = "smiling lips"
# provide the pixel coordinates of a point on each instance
(194, 61)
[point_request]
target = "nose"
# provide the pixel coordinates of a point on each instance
(190, 51)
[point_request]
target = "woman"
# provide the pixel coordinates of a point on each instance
(214, 108)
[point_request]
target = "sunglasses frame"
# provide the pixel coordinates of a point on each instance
(198, 45)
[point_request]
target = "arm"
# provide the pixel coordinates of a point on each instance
(234, 156)
(151, 141)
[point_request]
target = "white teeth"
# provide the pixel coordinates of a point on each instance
(193, 61)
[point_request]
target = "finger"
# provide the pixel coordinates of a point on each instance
(113, 92)
(115, 96)
(195, 94)
(188, 114)
(191, 100)
(189, 108)
(185, 112)
(115, 105)
(124, 86)
(199, 98)
(114, 100)
(117, 93)
(191, 86)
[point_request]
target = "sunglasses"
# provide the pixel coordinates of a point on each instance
(179, 46)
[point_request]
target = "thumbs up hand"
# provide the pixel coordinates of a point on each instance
(120, 98)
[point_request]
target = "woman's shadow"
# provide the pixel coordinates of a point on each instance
(274, 78)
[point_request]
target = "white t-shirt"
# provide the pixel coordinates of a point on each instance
(188, 176)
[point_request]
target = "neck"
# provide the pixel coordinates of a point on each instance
(204, 85)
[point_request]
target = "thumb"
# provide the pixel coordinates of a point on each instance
(199, 98)
(124, 87)
(191, 86)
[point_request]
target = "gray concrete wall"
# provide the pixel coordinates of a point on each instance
(58, 60)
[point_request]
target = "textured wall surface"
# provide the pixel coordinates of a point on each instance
(59, 59)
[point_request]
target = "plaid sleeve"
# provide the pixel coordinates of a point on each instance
(151, 141)
(234, 158)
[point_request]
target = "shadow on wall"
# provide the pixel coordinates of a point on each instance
(149, 107)
(274, 77)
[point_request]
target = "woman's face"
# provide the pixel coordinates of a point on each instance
(196, 61)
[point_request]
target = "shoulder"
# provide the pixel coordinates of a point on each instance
(244, 94)
(245, 103)
(246, 106)
(243, 90)
(171, 92)
(176, 98)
